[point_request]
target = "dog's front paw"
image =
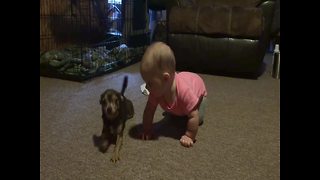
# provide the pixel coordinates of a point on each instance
(115, 158)
(104, 146)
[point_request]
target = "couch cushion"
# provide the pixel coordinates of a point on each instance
(248, 3)
(234, 21)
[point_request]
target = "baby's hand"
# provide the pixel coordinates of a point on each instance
(186, 141)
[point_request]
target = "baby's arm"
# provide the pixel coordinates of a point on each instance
(148, 120)
(188, 139)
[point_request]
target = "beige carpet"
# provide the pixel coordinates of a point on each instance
(240, 138)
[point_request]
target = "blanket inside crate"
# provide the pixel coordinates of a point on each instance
(83, 63)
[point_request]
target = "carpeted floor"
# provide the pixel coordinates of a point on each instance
(240, 138)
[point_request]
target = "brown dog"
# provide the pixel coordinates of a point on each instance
(116, 109)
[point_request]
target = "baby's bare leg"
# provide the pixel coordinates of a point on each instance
(202, 108)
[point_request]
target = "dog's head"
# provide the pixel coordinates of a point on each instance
(110, 102)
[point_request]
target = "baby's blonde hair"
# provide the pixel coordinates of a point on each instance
(158, 56)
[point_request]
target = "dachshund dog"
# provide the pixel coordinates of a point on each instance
(116, 109)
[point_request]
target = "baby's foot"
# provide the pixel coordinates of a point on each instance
(147, 136)
(186, 141)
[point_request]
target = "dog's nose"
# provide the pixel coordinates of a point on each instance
(109, 110)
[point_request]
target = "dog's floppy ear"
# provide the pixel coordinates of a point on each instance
(101, 98)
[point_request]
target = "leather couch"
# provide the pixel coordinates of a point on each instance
(220, 37)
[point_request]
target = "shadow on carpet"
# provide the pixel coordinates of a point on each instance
(172, 127)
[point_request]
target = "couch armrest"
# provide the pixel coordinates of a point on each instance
(267, 7)
(263, 1)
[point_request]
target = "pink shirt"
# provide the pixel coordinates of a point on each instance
(190, 87)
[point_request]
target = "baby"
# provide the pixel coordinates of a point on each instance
(180, 94)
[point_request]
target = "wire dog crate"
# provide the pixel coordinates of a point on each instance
(80, 39)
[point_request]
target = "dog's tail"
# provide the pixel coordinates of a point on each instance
(124, 85)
